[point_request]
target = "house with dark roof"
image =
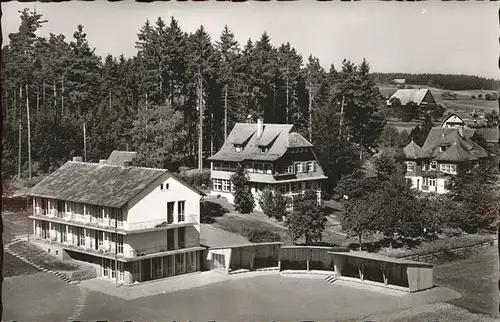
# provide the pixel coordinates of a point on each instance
(446, 149)
(132, 224)
(419, 96)
(121, 157)
(275, 156)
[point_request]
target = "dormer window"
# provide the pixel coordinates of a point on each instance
(238, 148)
(442, 148)
(263, 149)
(433, 165)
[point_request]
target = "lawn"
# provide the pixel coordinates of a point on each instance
(475, 278)
(39, 257)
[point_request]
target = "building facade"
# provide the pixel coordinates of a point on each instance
(275, 157)
(447, 149)
(132, 224)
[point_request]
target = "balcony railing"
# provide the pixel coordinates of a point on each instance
(188, 219)
(84, 219)
(132, 253)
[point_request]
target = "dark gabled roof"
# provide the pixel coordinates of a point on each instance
(436, 135)
(120, 157)
(458, 147)
(295, 140)
(95, 184)
(413, 152)
(247, 131)
(456, 153)
(241, 135)
(410, 95)
(490, 135)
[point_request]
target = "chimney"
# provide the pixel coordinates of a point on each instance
(260, 126)
(103, 161)
(77, 159)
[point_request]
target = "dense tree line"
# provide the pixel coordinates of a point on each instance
(443, 81)
(151, 102)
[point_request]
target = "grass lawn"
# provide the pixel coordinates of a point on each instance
(476, 278)
(15, 224)
(41, 258)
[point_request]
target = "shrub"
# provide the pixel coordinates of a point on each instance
(260, 236)
(209, 210)
(273, 205)
(243, 198)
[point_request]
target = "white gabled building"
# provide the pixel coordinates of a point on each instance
(131, 223)
(275, 157)
(446, 149)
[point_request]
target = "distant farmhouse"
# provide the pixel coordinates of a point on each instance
(421, 97)
(446, 149)
(399, 81)
(275, 156)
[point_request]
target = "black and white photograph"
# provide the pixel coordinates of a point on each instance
(250, 161)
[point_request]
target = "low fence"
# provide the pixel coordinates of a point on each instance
(434, 257)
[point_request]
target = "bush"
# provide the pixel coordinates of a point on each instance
(195, 178)
(260, 236)
(209, 210)
(491, 97)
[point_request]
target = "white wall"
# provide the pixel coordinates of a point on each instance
(149, 207)
(155, 241)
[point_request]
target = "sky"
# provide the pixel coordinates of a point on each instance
(414, 37)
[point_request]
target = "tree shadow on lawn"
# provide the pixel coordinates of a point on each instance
(210, 210)
(395, 243)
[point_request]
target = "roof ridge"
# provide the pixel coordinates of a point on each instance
(119, 166)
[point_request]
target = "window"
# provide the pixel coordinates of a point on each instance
(410, 166)
(237, 148)
(433, 165)
(262, 149)
(448, 168)
(259, 167)
(290, 169)
(296, 186)
(429, 182)
(442, 148)
(167, 186)
(157, 267)
(309, 185)
(119, 246)
(181, 206)
(179, 264)
(170, 240)
(268, 168)
(181, 237)
(161, 186)
(217, 184)
(311, 166)
(298, 167)
(283, 188)
(170, 212)
(233, 188)
(226, 185)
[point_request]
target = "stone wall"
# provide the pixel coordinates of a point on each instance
(460, 251)
(81, 274)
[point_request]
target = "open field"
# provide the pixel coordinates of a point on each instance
(475, 278)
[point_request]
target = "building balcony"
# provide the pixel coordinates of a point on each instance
(108, 225)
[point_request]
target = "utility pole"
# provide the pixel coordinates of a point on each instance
(29, 131)
(341, 117)
(287, 100)
(84, 143)
(19, 156)
(62, 94)
(37, 99)
(310, 112)
(146, 100)
(225, 112)
(43, 96)
(200, 139)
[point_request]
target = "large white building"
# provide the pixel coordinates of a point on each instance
(446, 149)
(131, 223)
(275, 157)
